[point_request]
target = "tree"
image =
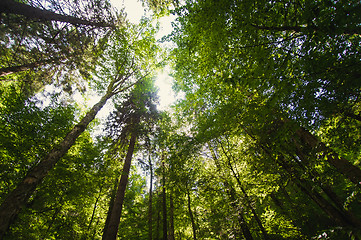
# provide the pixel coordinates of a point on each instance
(125, 123)
(247, 67)
(51, 52)
(120, 82)
(13, 7)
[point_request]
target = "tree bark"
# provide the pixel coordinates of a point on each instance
(15, 201)
(111, 204)
(191, 216)
(20, 68)
(235, 175)
(171, 218)
(150, 204)
(231, 192)
(111, 232)
(11, 6)
(164, 204)
(349, 170)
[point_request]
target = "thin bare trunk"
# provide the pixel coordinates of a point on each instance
(165, 223)
(14, 7)
(171, 218)
(150, 204)
(231, 192)
(158, 217)
(15, 201)
(235, 175)
(111, 232)
(93, 213)
(191, 216)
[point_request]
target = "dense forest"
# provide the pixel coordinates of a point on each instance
(265, 142)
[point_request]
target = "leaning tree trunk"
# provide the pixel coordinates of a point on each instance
(231, 192)
(235, 175)
(240, 213)
(15, 201)
(339, 216)
(20, 68)
(14, 7)
(111, 232)
(349, 170)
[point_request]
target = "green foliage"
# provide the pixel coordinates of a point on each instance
(252, 74)
(65, 202)
(44, 52)
(28, 130)
(271, 93)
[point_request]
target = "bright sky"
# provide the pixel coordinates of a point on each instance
(135, 11)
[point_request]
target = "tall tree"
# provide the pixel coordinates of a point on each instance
(121, 75)
(14, 7)
(139, 109)
(51, 52)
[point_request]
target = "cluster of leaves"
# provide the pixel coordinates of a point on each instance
(42, 52)
(28, 129)
(72, 200)
(256, 75)
(269, 125)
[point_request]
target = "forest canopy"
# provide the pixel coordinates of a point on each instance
(265, 144)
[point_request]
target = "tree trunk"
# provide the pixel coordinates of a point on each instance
(158, 224)
(111, 203)
(235, 175)
(336, 214)
(111, 232)
(11, 6)
(171, 218)
(326, 188)
(349, 170)
(164, 204)
(242, 222)
(231, 192)
(55, 215)
(93, 213)
(150, 212)
(95, 229)
(191, 216)
(353, 173)
(20, 68)
(158, 217)
(15, 201)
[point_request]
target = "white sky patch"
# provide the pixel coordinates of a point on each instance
(163, 79)
(166, 93)
(135, 11)
(133, 8)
